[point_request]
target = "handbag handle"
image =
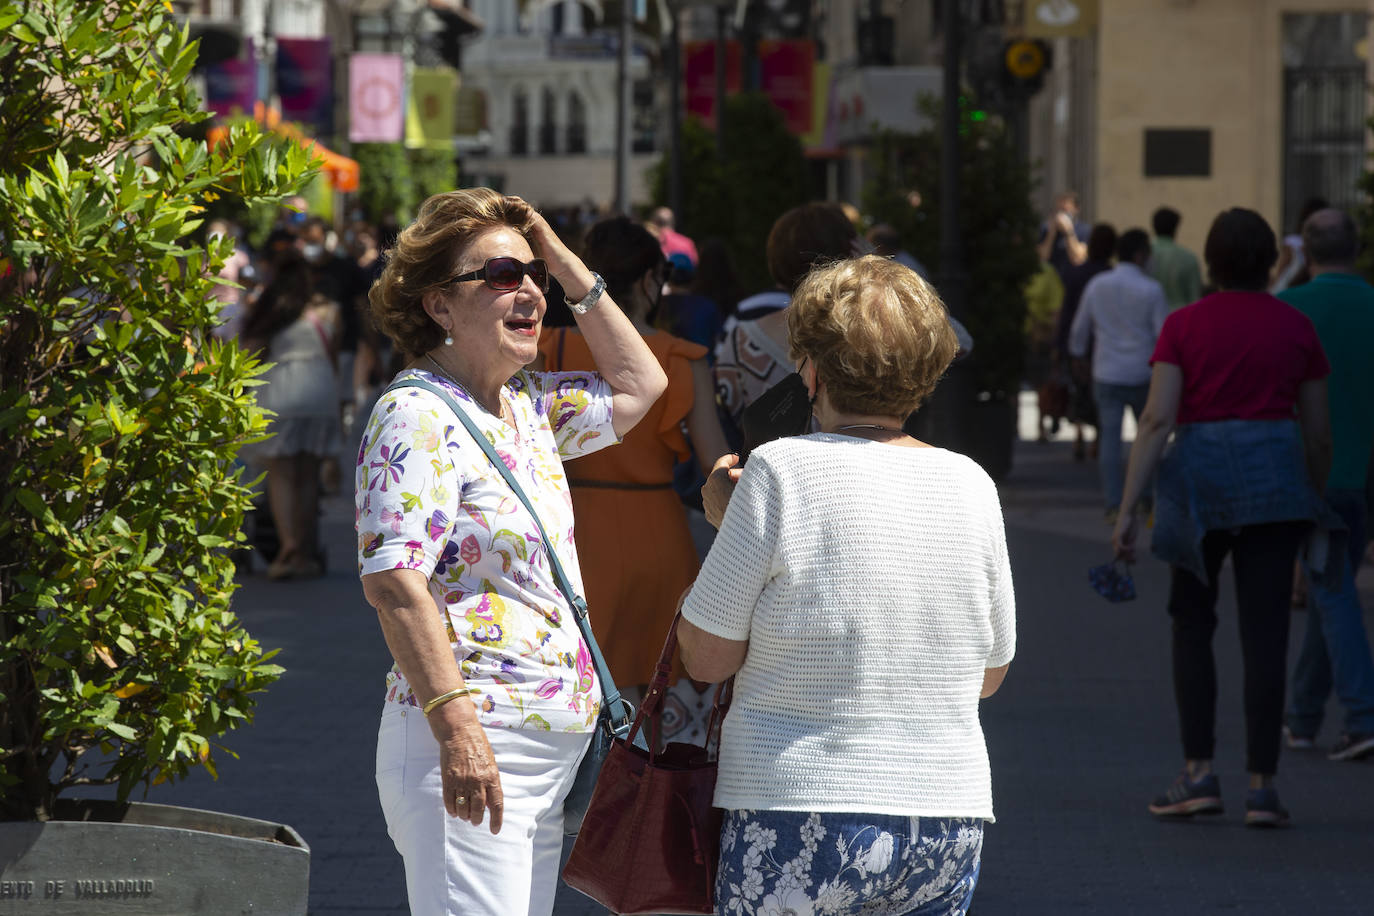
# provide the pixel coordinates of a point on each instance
(651, 708)
(619, 717)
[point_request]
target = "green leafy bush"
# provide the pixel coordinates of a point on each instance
(398, 180)
(763, 175)
(997, 223)
(390, 187)
(433, 171)
(120, 417)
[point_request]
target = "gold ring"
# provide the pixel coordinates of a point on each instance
(462, 799)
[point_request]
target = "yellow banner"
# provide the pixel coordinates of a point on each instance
(820, 106)
(1059, 18)
(431, 107)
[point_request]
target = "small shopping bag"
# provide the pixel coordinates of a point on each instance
(1113, 581)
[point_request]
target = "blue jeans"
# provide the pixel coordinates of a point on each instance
(1112, 401)
(1335, 650)
(845, 864)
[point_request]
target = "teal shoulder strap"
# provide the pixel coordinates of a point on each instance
(620, 718)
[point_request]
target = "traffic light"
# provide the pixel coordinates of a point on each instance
(1024, 64)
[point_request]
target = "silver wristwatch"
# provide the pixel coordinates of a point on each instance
(592, 297)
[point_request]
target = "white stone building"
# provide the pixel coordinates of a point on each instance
(548, 75)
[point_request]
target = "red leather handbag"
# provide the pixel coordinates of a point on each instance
(651, 838)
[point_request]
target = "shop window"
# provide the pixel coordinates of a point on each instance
(644, 118)
(548, 132)
(520, 124)
(577, 124)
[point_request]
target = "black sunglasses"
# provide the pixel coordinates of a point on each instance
(506, 273)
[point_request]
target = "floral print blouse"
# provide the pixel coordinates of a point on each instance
(428, 498)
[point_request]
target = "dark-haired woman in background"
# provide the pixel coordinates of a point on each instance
(633, 540)
(1240, 379)
(295, 329)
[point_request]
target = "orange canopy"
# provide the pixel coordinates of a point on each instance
(341, 172)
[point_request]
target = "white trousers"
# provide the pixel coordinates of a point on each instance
(452, 867)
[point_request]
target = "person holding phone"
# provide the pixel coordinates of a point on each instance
(856, 569)
(1063, 237)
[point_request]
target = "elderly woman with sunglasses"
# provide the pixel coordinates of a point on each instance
(492, 699)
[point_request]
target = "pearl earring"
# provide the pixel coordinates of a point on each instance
(448, 340)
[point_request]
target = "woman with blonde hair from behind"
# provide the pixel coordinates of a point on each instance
(859, 590)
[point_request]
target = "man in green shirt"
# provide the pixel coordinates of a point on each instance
(1174, 267)
(1335, 651)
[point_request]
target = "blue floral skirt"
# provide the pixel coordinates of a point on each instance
(795, 863)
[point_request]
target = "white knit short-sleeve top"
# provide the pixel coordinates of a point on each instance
(873, 586)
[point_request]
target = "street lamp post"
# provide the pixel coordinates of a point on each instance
(674, 111)
(942, 420)
(674, 10)
(951, 245)
(722, 46)
(623, 106)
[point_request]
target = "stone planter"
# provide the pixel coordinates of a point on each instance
(101, 857)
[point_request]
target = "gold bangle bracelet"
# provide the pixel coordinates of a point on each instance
(443, 698)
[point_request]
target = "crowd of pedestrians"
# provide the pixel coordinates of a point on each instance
(296, 300)
(1255, 418)
(491, 700)
(1255, 426)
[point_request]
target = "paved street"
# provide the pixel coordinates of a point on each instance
(1081, 736)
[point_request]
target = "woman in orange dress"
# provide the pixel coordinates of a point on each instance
(633, 540)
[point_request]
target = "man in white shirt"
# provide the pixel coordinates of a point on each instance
(1120, 317)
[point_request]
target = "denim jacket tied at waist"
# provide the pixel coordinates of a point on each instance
(1226, 474)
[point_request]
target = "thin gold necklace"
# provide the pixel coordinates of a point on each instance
(464, 388)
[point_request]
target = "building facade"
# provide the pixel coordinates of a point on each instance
(875, 59)
(547, 73)
(1203, 105)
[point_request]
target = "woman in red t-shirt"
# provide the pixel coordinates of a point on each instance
(1240, 378)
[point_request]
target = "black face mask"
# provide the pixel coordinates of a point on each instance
(781, 411)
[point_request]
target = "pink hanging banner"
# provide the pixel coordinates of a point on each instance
(786, 71)
(376, 110)
(699, 76)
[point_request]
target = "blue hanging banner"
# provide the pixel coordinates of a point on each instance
(305, 82)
